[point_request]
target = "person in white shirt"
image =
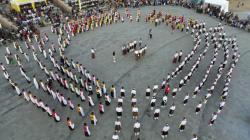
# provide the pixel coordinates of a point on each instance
(115, 136)
(196, 90)
(62, 100)
(207, 96)
(122, 91)
(70, 124)
(186, 99)
(152, 102)
(212, 120)
(71, 105)
(174, 91)
(26, 95)
(41, 104)
(183, 124)
(222, 104)
(164, 81)
(181, 84)
(117, 125)
(133, 101)
(32, 98)
(7, 59)
(164, 131)
(2, 67)
(93, 53)
(148, 90)
(175, 57)
(187, 29)
(164, 101)
(133, 93)
(157, 113)
(107, 100)
(194, 137)
(35, 82)
(180, 55)
(135, 111)
(80, 110)
(26, 57)
(198, 108)
(18, 91)
(48, 110)
(8, 50)
(91, 103)
(171, 111)
(120, 101)
(155, 87)
(6, 75)
(24, 75)
(55, 116)
(119, 111)
(137, 127)
(44, 53)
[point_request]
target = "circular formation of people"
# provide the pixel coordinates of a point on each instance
(79, 81)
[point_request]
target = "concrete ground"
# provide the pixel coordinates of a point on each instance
(239, 5)
(20, 120)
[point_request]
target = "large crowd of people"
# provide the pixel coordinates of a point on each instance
(212, 10)
(65, 74)
(47, 13)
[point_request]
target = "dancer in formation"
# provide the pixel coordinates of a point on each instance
(101, 108)
(137, 127)
(119, 111)
(115, 136)
(198, 108)
(175, 57)
(93, 119)
(183, 124)
(80, 110)
(164, 101)
(117, 125)
(148, 90)
(171, 111)
(93, 53)
(70, 124)
(186, 99)
(122, 91)
(86, 130)
(212, 120)
(180, 56)
(157, 113)
(164, 131)
(114, 58)
(150, 34)
(194, 137)
(152, 102)
(113, 91)
(174, 91)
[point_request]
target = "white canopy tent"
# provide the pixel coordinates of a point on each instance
(20, 2)
(39, 0)
(224, 4)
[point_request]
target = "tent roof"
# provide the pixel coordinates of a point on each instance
(223, 3)
(39, 0)
(218, 2)
(21, 2)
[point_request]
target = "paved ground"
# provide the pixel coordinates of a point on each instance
(21, 121)
(233, 5)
